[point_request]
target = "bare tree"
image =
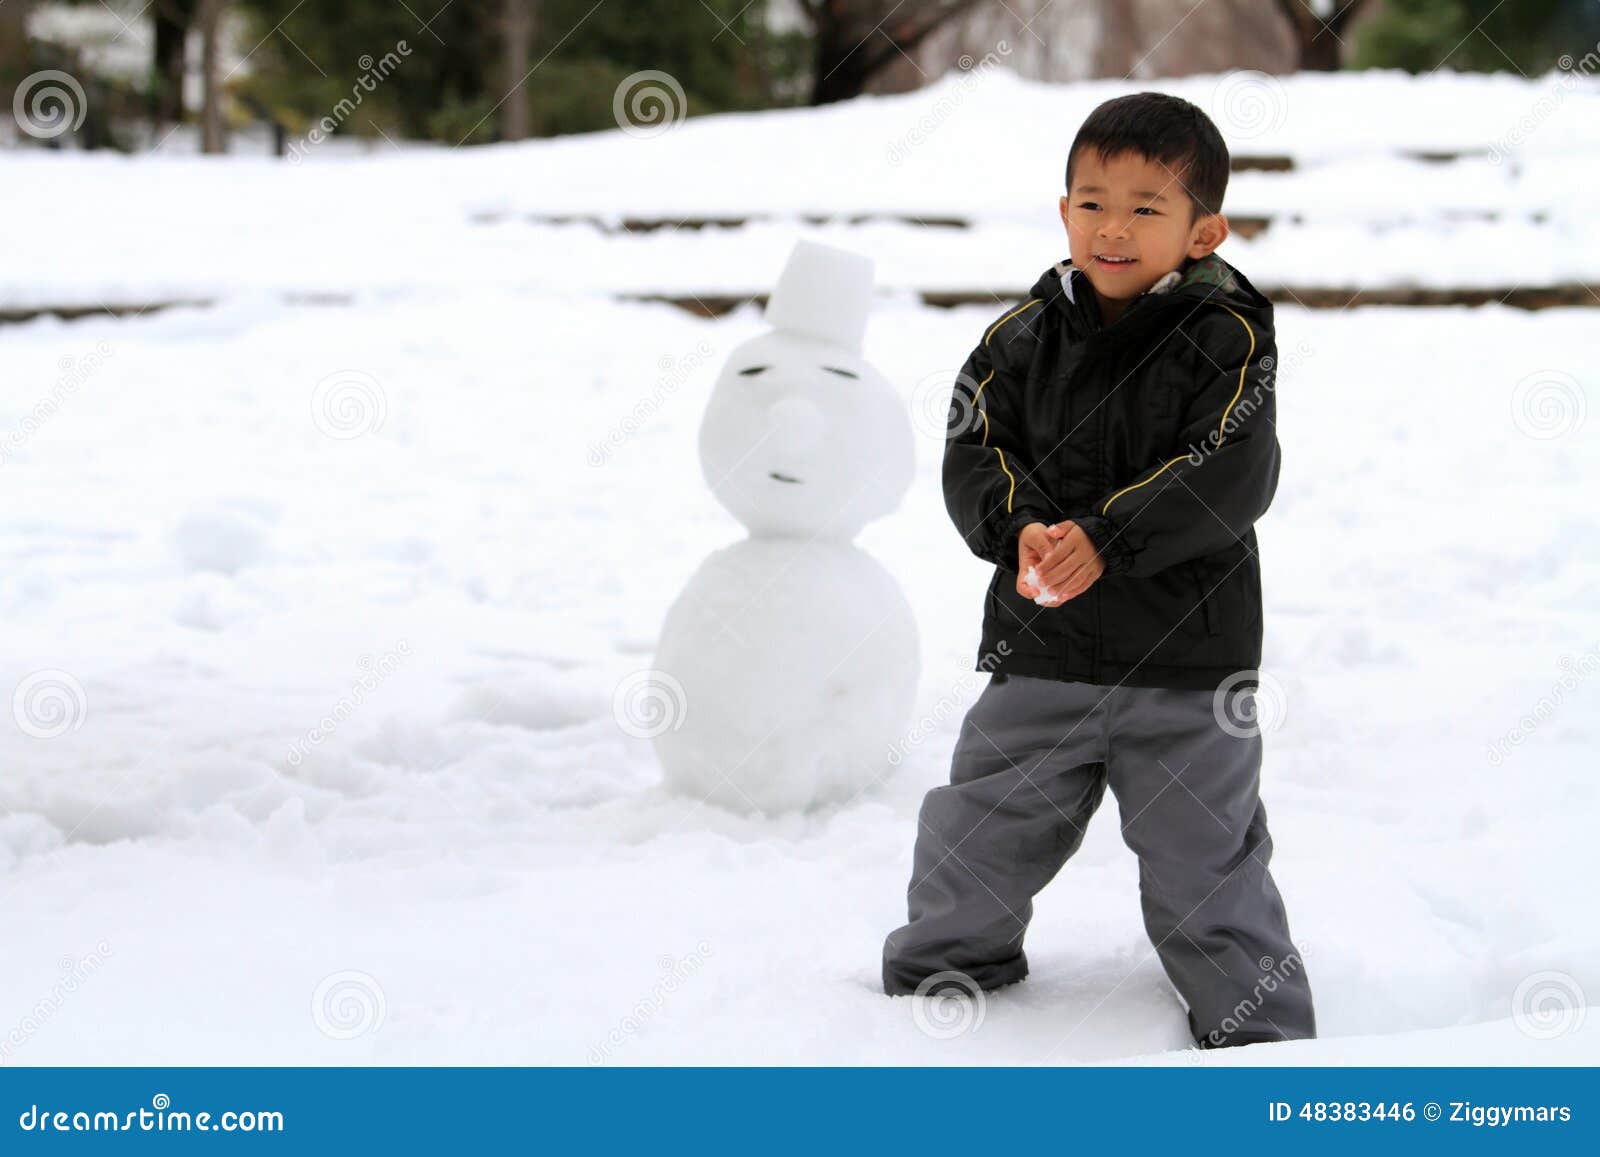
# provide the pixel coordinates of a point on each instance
(517, 30)
(1318, 36)
(211, 139)
(1070, 40)
(15, 60)
(1216, 36)
(172, 19)
(855, 39)
(1117, 51)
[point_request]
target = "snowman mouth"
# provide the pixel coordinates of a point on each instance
(776, 477)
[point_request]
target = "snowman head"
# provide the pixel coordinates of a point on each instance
(802, 437)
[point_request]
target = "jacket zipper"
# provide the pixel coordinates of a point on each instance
(1096, 675)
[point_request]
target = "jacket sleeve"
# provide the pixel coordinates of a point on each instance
(1222, 474)
(988, 485)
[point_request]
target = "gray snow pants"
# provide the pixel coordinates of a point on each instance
(1031, 765)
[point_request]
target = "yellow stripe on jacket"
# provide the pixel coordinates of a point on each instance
(1020, 309)
(1164, 467)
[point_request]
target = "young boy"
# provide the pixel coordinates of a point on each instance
(1115, 447)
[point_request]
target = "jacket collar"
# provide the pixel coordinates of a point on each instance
(1067, 288)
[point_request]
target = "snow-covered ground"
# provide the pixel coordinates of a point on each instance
(1359, 210)
(188, 547)
(315, 617)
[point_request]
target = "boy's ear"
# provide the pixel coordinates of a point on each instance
(1065, 202)
(1209, 232)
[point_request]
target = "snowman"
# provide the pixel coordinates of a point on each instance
(793, 654)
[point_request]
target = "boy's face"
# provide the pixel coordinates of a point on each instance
(1130, 207)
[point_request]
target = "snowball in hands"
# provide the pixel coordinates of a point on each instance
(790, 659)
(1045, 595)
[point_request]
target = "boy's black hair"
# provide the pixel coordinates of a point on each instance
(1164, 129)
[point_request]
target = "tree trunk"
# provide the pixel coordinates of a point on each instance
(1320, 53)
(1318, 38)
(517, 29)
(855, 39)
(173, 19)
(15, 61)
(211, 139)
(839, 73)
(1117, 52)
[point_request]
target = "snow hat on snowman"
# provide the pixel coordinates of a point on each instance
(802, 437)
(825, 293)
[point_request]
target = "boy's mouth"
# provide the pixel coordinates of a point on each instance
(1112, 261)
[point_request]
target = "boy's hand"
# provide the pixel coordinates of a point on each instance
(1070, 565)
(1034, 542)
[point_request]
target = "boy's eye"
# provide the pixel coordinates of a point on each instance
(1141, 209)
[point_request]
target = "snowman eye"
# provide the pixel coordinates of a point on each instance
(841, 373)
(752, 371)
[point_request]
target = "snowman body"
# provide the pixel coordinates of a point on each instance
(792, 657)
(793, 653)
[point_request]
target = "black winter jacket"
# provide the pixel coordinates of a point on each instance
(1156, 435)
